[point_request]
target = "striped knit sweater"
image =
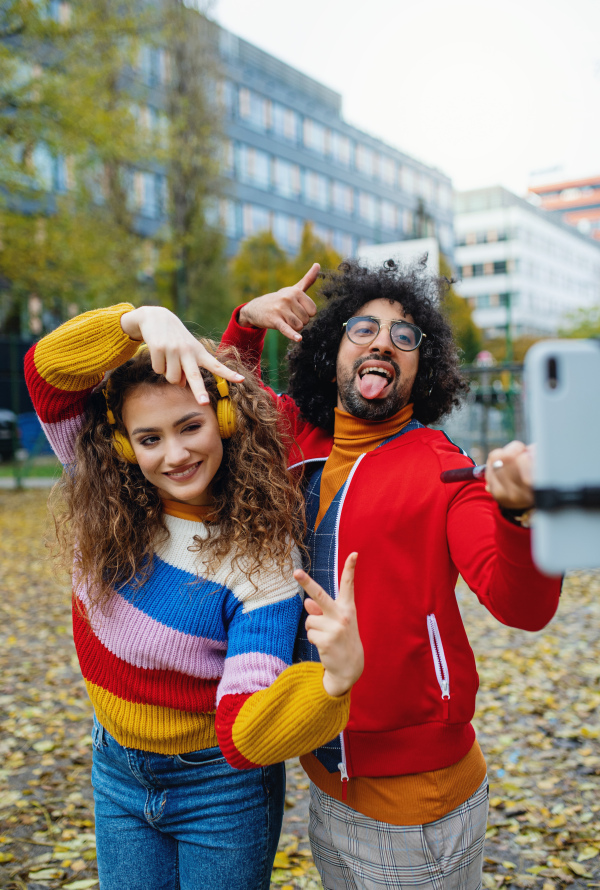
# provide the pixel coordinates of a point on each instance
(187, 661)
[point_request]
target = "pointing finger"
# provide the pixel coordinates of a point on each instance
(346, 594)
(309, 279)
(315, 591)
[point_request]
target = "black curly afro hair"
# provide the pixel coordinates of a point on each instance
(438, 385)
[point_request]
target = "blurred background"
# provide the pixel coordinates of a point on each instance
(197, 155)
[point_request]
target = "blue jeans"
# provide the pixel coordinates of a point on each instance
(183, 822)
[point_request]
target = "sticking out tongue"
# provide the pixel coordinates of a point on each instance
(371, 385)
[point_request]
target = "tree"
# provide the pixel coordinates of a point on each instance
(583, 323)
(72, 102)
(313, 250)
(69, 140)
(192, 273)
(460, 316)
(261, 267)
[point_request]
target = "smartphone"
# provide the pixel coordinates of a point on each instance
(562, 410)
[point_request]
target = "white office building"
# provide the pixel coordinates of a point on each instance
(520, 266)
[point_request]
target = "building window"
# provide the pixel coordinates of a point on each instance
(254, 167)
(466, 271)
(408, 180)
(499, 267)
(389, 216)
(255, 110)
(228, 217)
(255, 219)
(316, 189)
(365, 160)
(367, 208)
(287, 230)
(342, 198)
(387, 169)
(341, 149)
(315, 136)
(323, 234)
(284, 122)
(343, 243)
(409, 222)
(286, 178)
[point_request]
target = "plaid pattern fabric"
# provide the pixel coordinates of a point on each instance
(353, 852)
(321, 545)
(321, 549)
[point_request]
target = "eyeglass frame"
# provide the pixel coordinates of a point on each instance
(389, 326)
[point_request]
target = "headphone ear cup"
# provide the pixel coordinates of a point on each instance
(124, 448)
(226, 418)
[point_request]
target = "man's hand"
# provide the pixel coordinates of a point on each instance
(174, 351)
(510, 480)
(287, 310)
(332, 628)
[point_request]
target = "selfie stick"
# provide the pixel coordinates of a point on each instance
(464, 474)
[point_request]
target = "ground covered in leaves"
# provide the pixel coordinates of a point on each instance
(538, 722)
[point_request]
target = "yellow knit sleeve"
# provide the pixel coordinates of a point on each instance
(290, 718)
(76, 355)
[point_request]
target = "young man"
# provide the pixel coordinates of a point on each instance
(400, 799)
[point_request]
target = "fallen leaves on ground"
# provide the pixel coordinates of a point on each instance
(537, 722)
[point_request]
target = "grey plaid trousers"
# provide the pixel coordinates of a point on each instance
(354, 852)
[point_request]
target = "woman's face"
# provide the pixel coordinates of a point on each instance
(176, 441)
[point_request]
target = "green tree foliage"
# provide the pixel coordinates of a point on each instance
(192, 274)
(261, 266)
(313, 250)
(583, 323)
(71, 93)
(459, 314)
(62, 101)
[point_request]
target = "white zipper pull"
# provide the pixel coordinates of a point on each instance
(344, 776)
(445, 689)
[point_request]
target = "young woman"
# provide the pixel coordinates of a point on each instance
(184, 531)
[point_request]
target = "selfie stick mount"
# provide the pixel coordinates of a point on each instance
(587, 496)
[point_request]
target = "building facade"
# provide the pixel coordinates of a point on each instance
(576, 202)
(520, 265)
(290, 158)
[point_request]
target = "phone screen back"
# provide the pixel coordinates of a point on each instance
(562, 387)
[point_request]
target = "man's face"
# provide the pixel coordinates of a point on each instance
(359, 368)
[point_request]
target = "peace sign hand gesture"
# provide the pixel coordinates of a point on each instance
(332, 627)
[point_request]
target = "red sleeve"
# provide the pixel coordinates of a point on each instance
(494, 557)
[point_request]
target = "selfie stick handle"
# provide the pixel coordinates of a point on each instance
(464, 474)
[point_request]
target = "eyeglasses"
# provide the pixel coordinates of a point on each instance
(363, 329)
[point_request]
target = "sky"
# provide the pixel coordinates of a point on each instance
(488, 92)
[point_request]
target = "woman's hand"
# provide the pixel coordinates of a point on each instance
(332, 628)
(287, 310)
(508, 476)
(174, 351)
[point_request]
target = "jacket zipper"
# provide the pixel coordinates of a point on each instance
(342, 766)
(439, 662)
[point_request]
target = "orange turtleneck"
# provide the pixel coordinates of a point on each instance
(351, 438)
(400, 800)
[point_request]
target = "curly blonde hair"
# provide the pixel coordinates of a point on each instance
(109, 519)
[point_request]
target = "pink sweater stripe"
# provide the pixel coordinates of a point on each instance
(62, 436)
(163, 648)
(248, 673)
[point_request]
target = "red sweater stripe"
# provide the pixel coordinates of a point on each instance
(229, 708)
(166, 688)
(51, 404)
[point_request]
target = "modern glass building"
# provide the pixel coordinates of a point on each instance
(291, 158)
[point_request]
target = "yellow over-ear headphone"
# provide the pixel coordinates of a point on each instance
(225, 418)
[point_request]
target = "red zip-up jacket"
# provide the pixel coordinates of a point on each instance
(411, 709)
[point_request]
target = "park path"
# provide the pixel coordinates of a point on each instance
(538, 721)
